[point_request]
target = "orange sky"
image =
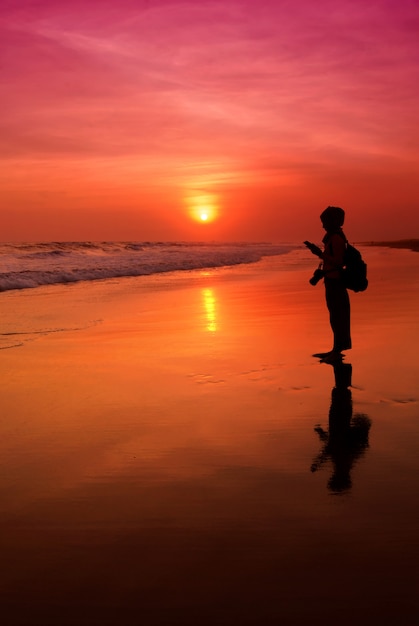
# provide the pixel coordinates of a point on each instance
(120, 118)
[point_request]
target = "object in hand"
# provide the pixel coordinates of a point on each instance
(318, 275)
(313, 248)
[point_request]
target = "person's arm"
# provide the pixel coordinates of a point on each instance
(313, 248)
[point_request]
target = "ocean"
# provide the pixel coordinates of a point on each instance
(30, 265)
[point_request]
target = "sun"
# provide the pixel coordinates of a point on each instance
(203, 208)
(204, 213)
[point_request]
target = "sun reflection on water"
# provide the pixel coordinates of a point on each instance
(210, 307)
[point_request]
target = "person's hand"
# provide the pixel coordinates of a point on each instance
(313, 248)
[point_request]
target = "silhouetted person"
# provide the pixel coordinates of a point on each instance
(337, 298)
(347, 437)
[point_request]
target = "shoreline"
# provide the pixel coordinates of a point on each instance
(407, 244)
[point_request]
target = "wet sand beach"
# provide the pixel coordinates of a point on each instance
(174, 455)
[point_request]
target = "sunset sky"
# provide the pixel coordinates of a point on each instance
(128, 119)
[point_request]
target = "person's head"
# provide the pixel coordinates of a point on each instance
(332, 218)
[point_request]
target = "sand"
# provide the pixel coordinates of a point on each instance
(159, 437)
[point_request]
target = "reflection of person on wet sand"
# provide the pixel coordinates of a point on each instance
(347, 437)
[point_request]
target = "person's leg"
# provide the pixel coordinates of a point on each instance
(337, 300)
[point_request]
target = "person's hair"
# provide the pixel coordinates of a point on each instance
(333, 216)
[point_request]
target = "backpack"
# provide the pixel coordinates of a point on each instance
(354, 271)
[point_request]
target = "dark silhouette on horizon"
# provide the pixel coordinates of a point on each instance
(346, 439)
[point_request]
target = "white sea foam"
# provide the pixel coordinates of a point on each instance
(26, 265)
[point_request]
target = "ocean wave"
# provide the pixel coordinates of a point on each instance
(26, 266)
